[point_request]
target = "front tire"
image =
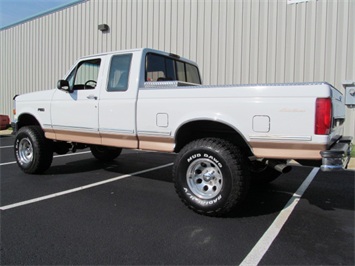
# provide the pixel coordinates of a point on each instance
(33, 152)
(211, 176)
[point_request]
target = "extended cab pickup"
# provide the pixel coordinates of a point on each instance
(225, 136)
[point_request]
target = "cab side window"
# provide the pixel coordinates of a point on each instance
(85, 75)
(119, 72)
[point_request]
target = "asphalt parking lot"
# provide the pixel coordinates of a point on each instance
(126, 212)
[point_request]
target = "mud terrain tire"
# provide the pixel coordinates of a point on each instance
(211, 176)
(33, 152)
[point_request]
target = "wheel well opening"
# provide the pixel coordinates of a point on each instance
(26, 120)
(207, 129)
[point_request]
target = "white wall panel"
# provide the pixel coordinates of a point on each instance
(233, 41)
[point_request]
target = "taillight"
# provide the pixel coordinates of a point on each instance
(323, 121)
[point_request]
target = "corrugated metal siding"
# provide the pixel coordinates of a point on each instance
(237, 41)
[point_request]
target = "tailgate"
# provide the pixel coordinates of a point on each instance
(338, 112)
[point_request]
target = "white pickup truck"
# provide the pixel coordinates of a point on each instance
(225, 136)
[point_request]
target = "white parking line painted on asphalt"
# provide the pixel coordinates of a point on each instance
(54, 195)
(4, 147)
(57, 156)
(257, 253)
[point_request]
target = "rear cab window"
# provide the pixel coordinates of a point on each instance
(165, 68)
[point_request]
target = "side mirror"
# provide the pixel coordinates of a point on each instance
(63, 85)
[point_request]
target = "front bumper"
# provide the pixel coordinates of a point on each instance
(338, 156)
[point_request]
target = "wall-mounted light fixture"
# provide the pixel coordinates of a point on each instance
(103, 27)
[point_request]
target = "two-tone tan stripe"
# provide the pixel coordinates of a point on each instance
(130, 141)
(287, 150)
(156, 143)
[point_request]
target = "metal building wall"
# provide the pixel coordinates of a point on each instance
(240, 41)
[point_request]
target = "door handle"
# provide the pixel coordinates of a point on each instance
(92, 97)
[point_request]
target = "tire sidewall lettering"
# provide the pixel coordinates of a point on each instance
(18, 139)
(204, 155)
(17, 152)
(189, 195)
(201, 202)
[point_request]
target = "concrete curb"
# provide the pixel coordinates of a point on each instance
(5, 132)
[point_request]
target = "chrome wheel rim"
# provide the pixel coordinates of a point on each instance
(204, 178)
(25, 151)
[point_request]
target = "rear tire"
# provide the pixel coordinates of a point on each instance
(211, 176)
(33, 152)
(104, 153)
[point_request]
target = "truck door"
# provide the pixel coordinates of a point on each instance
(117, 106)
(74, 114)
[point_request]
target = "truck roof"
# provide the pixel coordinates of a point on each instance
(144, 51)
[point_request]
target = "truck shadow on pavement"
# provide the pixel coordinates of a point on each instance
(75, 167)
(327, 188)
(261, 201)
(125, 164)
(5, 136)
(328, 191)
(332, 191)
